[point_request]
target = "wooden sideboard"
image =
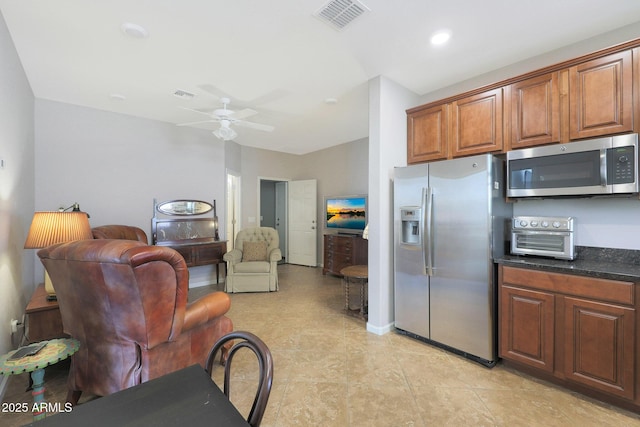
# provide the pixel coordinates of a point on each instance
(342, 251)
(196, 254)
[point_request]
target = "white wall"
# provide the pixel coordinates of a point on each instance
(342, 169)
(114, 165)
(387, 149)
(16, 188)
(607, 223)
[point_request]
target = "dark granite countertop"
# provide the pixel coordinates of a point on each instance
(606, 263)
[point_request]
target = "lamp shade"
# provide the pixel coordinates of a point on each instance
(49, 228)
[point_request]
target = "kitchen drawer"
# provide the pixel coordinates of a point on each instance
(588, 287)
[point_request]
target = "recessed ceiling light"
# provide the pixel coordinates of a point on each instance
(134, 30)
(118, 96)
(440, 37)
(330, 101)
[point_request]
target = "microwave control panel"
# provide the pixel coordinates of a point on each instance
(621, 165)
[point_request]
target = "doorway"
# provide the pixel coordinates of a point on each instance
(273, 209)
(290, 208)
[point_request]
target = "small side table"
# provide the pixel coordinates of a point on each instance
(55, 351)
(43, 317)
(356, 275)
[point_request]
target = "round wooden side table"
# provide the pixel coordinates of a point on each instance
(356, 275)
(53, 352)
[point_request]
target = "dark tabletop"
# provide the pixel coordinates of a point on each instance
(183, 398)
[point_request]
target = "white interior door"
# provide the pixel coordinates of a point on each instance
(303, 222)
(233, 208)
(281, 218)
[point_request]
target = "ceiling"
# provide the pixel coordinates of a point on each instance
(279, 59)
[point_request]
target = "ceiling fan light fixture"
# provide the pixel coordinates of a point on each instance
(225, 132)
(134, 30)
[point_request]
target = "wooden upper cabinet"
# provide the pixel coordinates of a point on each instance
(601, 96)
(427, 134)
(476, 124)
(535, 111)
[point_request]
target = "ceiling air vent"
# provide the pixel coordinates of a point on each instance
(339, 13)
(183, 94)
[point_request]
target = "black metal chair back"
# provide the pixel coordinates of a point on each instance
(251, 341)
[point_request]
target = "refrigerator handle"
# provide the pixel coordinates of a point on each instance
(427, 209)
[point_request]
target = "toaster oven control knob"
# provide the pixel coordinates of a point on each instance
(556, 224)
(523, 223)
(544, 224)
(534, 223)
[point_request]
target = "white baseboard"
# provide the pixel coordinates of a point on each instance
(380, 330)
(200, 283)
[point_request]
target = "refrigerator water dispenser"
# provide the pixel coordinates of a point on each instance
(410, 218)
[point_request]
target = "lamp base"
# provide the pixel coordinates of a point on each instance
(48, 287)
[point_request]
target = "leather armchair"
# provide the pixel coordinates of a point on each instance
(126, 303)
(256, 273)
(124, 232)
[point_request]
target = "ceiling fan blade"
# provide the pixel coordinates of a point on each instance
(197, 123)
(195, 111)
(257, 126)
(242, 114)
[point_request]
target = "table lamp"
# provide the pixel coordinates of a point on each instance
(51, 227)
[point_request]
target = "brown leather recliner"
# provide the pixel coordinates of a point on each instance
(126, 303)
(125, 232)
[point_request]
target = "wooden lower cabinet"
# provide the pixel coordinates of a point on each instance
(578, 331)
(600, 345)
(527, 326)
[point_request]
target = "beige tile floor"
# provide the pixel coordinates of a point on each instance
(330, 372)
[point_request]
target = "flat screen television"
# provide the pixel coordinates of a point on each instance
(345, 214)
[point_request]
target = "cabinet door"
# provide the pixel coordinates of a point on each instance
(601, 96)
(535, 111)
(427, 134)
(476, 124)
(527, 327)
(600, 346)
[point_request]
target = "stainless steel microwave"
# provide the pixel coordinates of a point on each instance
(591, 167)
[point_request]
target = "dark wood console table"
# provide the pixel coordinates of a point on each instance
(203, 253)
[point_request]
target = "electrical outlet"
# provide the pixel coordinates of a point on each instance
(14, 326)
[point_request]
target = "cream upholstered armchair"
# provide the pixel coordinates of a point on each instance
(252, 265)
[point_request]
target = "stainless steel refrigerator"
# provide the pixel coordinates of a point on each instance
(449, 224)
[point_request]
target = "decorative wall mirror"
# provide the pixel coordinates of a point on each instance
(188, 229)
(184, 207)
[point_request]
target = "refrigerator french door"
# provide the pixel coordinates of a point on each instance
(449, 221)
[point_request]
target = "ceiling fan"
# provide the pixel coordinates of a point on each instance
(226, 118)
